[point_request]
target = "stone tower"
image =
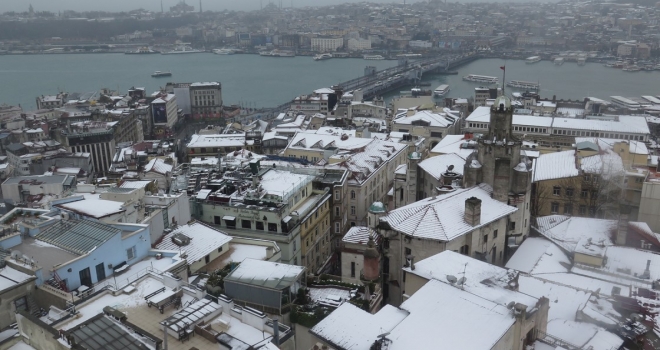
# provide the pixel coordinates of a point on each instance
(499, 164)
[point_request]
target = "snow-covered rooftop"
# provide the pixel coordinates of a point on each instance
(636, 147)
(265, 274)
(360, 235)
(436, 166)
(556, 165)
(538, 255)
(10, 277)
(282, 182)
(574, 233)
(367, 160)
(159, 166)
(438, 120)
(216, 140)
(322, 141)
(442, 218)
(93, 206)
(203, 241)
(454, 144)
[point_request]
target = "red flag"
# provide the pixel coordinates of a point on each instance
(503, 68)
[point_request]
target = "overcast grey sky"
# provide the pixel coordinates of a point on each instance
(154, 5)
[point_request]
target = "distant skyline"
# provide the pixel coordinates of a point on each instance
(154, 5)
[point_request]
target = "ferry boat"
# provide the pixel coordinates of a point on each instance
(481, 79)
(159, 74)
(441, 90)
(224, 51)
(527, 85)
(182, 50)
(633, 68)
(559, 61)
(322, 57)
(142, 51)
(419, 92)
(581, 61)
(277, 53)
(373, 57)
(532, 59)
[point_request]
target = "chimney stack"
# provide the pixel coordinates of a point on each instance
(276, 332)
(473, 211)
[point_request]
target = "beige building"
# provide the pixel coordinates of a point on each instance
(315, 235)
(213, 145)
(430, 125)
(327, 44)
(353, 246)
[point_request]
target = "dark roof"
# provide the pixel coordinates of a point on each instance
(103, 333)
(78, 237)
(13, 147)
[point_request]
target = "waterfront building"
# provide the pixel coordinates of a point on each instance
(51, 101)
(320, 101)
(327, 44)
(429, 124)
(206, 100)
(358, 44)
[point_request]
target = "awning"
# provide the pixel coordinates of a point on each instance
(227, 217)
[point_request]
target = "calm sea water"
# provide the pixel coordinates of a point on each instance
(259, 81)
(265, 81)
(568, 81)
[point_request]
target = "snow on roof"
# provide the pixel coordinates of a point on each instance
(214, 83)
(442, 218)
(529, 120)
(135, 184)
(367, 160)
(93, 206)
(351, 328)
(204, 161)
(443, 314)
(360, 235)
(607, 164)
(436, 166)
(10, 278)
(624, 258)
(573, 233)
(586, 283)
(440, 120)
(482, 279)
(203, 241)
(324, 91)
(625, 124)
(333, 130)
(564, 301)
(584, 335)
(159, 166)
(454, 144)
(216, 140)
(538, 255)
(556, 165)
(282, 182)
(320, 141)
(265, 274)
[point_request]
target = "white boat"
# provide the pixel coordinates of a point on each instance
(159, 74)
(322, 57)
(373, 57)
(481, 79)
(581, 61)
(141, 51)
(224, 51)
(533, 59)
(277, 53)
(526, 85)
(181, 50)
(559, 61)
(441, 90)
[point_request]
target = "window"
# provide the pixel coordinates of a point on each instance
(569, 192)
(337, 227)
(272, 227)
(352, 194)
(352, 268)
(594, 194)
(130, 253)
(556, 191)
(587, 177)
(465, 250)
(21, 304)
(583, 210)
(584, 194)
(486, 238)
(246, 224)
(568, 209)
(512, 225)
(317, 248)
(436, 134)
(220, 249)
(336, 211)
(407, 251)
(259, 225)
(495, 234)
(352, 210)
(307, 243)
(207, 259)
(216, 220)
(352, 224)
(337, 195)
(592, 211)
(554, 208)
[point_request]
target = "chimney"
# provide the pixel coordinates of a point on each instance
(473, 211)
(276, 332)
(622, 229)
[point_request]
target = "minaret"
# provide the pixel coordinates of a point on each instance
(200, 6)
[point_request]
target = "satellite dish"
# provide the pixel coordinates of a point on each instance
(511, 305)
(384, 335)
(451, 279)
(461, 281)
(451, 167)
